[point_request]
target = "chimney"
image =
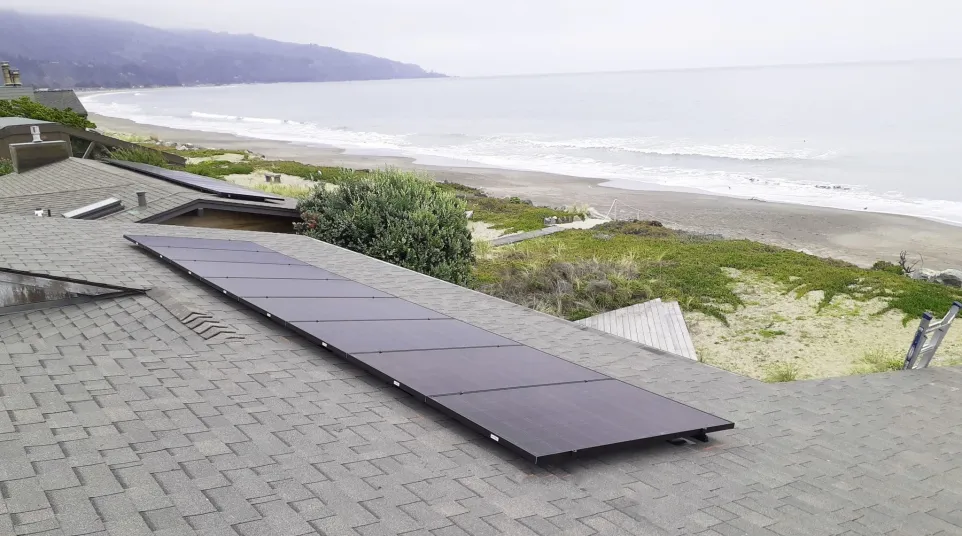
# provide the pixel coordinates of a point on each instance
(142, 199)
(5, 67)
(15, 78)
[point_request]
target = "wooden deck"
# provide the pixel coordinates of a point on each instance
(656, 324)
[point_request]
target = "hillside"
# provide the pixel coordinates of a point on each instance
(68, 52)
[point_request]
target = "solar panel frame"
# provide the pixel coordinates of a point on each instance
(342, 309)
(453, 371)
(197, 243)
(373, 336)
(225, 255)
(196, 182)
(256, 270)
(243, 287)
(444, 402)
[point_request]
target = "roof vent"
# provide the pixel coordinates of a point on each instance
(15, 78)
(5, 68)
(142, 199)
(95, 210)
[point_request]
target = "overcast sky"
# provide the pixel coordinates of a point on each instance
(494, 37)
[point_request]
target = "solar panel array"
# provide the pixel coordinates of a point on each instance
(196, 182)
(520, 397)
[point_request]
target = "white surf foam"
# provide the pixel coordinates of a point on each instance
(528, 153)
(682, 147)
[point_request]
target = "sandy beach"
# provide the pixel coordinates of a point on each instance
(858, 237)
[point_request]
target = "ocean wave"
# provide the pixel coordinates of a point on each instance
(268, 121)
(253, 127)
(583, 157)
(717, 182)
(204, 115)
(657, 147)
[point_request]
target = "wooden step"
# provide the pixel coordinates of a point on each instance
(655, 323)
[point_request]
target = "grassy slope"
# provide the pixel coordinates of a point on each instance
(510, 215)
(576, 274)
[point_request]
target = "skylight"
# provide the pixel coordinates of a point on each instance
(21, 291)
(95, 210)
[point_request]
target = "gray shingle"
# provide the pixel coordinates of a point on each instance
(277, 436)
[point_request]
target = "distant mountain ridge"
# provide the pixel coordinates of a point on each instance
(77, 52)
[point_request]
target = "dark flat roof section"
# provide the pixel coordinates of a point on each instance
(532, 402)
(196, 182)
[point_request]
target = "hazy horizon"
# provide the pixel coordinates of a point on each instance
(504, 37)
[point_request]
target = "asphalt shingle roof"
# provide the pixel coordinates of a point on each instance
(121, 419)
(74, 183)
(60, 99)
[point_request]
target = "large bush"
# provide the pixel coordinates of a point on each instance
(395, 216)
(24, 107)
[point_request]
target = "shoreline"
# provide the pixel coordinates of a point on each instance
(858, 237)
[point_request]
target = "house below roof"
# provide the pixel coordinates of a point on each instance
(60, 99)
(66, 185)
(87, 143)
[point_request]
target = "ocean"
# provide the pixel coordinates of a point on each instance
(877, 137)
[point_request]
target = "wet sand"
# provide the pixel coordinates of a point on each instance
(858, 237)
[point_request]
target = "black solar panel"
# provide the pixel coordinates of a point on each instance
(439, 372)
(260, 271)
(332, 309)
(400, 335)
(196, 182)
(196, 243)
(225, 255)
(295, 288)
(522, 398)
(553, 419)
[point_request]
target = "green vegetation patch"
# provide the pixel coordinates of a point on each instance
(879, 361)
(25, 107)
(661, 263)
(6, 167)
(782, 372)
(396, 216)
(286, 190)
(219, 169)
(186, 153)
(771, 333)
(141, 155)
(332, 175)
(509, 214)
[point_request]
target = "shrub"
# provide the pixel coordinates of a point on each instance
(572, 290)
(885, 266)
(140, 155)
(24, 107)
(6, 167)
(396, 216)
